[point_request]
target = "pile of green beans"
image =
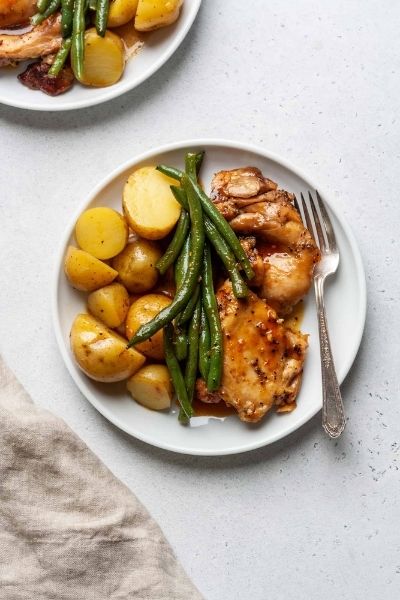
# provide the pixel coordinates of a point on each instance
(195, 338)
(73, 26)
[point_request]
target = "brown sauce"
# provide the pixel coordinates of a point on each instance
(204, 409)
(294, 320)
(133, 40)
(266, 249)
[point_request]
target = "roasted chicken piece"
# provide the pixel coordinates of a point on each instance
(42, 40)
(263, 359)
(16, 12)
(36, 77)
(285, 252)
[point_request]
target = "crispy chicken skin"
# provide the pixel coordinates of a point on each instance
(42, 40)
(16, 12)
(263, 359)
(285, 252)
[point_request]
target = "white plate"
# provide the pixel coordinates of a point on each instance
(159, 46)
(346, 306)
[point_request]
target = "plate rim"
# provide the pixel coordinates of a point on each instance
(216, 142)
(110, 92)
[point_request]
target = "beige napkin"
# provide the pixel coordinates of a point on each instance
(69, 530)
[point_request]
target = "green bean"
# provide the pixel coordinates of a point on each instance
(67, 13)
(42, 5)
(175, 246)
(180, 196)
(191, 279)
(180, 343)
(181, 267)
(228, 259)
(199, 161)
(213, 213)
(204, 345)
(176, 373)
(60, 58)
(53, 6)
(187, 312)
(78, 38)
(170, 172)
(175, 173)
(182, 263)
(103, 6)
(224, 252)
(193, 355)
(223, 227)
(211, 308)
(190, 165)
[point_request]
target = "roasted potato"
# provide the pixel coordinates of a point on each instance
(110, 304)
(151, 386)
(136, 266)
(101, 353)
(152, 14)
(121, 12)
(85, 272)
(142, 311)
(104, 59)
(149, 205)
(102, 232)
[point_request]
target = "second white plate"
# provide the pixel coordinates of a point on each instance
(345, 299)
(157, 50)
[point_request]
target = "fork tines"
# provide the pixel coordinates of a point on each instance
(317, 221)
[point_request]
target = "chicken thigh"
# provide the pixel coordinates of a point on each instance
(285, 252)
(263, 359)
(42, 40)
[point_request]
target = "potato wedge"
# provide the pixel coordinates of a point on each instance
(104, 59)
(149, 205)
(102, 232)
(121, 12)
(110, 304)
(85, 272)
(141, 312)
(101, 353)
(136, 266)
(152, 14)
(151, 386)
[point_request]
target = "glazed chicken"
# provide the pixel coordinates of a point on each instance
(42, 40)
(16, 12)
(283, 252)
(263, 359)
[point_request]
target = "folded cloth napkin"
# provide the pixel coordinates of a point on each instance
(69, 530)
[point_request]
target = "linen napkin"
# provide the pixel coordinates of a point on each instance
(69, 530)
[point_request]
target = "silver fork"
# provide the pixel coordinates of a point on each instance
(333, 419)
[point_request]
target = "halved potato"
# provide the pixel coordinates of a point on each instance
(121, 12)
(151, 386)
(136, 266)
(101, 353)
(104, 59)
(85, 272)
(152, 14)
(110, 304)
(102, 232)
(142, 311)
(149, 205)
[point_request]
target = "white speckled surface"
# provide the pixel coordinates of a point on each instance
(318, 83)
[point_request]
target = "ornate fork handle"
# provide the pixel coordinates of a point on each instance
(333, 420)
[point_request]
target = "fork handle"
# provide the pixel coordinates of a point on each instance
(333, 420)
